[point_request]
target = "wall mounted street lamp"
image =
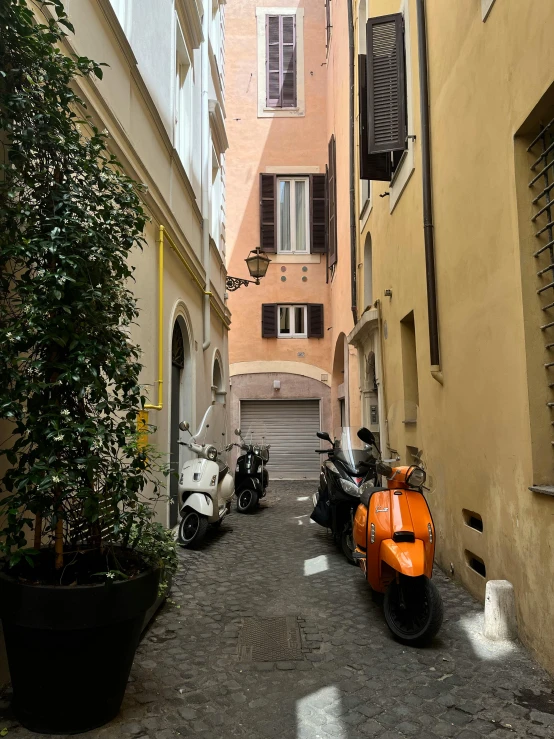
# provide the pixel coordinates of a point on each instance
(257, 264)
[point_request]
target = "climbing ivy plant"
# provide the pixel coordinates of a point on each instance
(69, 391)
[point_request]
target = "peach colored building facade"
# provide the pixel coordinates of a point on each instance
(285, 144)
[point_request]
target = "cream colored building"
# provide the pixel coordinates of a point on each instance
(475, 404)
(162, 100)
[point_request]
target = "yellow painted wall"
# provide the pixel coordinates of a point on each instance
(485, 79)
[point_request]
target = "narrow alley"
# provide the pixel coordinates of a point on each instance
(195, 675)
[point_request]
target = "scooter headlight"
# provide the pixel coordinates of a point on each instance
(415, 477)
(256, 450)
(349, 487)
(211, 453)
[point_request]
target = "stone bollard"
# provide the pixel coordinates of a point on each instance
(500, 611)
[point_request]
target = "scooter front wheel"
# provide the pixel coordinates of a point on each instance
(247, 500)
(192, 529)
(413, 610)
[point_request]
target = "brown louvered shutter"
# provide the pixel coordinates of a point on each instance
(328, 21)
(317, 213)
(268, 219)
(281, 61)
(315, 321)
(386, 83)
(288, 55)
(273, 60)
(372, 166)
(332, 202)
(269, 320)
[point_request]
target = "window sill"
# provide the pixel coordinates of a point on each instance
(543, 489)
(366, 212)
(281, 113)
(292, 337)
(402, 176)
(282, 258)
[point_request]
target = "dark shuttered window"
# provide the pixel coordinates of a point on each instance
(269, 320)
(270, 316)
(386, 84)
(317, 213)
(315, 321)
(372, 166)
(268, 213)
(332, 202)
(281, 61)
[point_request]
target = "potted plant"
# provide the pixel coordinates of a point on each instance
(82, 559)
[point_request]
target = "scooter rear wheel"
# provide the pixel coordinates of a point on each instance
(247, 500)
(413, 610)
(192, 529)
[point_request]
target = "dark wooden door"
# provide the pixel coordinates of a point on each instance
(177, 365)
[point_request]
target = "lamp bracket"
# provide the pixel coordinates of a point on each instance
(233, 283)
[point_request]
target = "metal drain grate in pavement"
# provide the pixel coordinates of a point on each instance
(270, 639)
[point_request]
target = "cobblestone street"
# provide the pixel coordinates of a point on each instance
(196, 674)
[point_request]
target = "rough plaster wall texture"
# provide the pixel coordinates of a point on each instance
(258, 143)
(476, 427)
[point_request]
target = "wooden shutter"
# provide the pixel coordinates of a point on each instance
(386, 83)
(317, 213)
(268, 213)
(288, 63)
(281, 61)
(332, 201)
(372, 166)
(315, 321)
(328, 21)
(269, 320)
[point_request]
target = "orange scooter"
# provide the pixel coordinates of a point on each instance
(394, 539)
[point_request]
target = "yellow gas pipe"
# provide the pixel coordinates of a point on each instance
(143, 415)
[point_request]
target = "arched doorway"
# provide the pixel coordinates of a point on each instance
(340, 410)
(219, 394)
(180, 407)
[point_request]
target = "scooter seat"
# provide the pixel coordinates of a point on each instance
(365, 497)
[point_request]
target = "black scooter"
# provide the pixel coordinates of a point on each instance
(251, 476)
(350, 463)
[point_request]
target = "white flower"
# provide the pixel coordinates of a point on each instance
(62, 280)
(111, 575)
(55, 478)
(65, 412)
(59, 437)
(10, 336)
(92, 258)
(40, 272)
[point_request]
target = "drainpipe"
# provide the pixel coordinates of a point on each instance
(353, 259)
(428, 228)
(205, 157)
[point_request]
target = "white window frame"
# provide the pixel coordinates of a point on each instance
(263, 110)
(293, 251)
(183, 104)
(292, 335)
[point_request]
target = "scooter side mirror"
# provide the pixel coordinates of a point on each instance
(237, 432)
(324, 435)
(366, 436)
(184, 425)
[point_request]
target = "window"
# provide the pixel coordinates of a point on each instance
(292, 223)
(385, 89)
(332, 202)
(281, 61)
(409, 368)
(328, 25)
(280, 34)
(184, 103)
(292, 214)
(292, 321)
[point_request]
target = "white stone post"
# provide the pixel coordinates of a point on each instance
(500, 611)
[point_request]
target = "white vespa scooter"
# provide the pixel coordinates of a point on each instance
(206, 487)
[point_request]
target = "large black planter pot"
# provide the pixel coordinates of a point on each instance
(70, 649)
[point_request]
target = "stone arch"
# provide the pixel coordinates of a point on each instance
(219, 391)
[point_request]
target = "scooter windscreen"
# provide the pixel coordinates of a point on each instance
(350, 449)
(255, 435)
(213, 428)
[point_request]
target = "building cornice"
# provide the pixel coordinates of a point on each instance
(368, 322)
(217, 126)
(190, 18)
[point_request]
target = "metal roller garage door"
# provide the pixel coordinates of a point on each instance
(290, 426)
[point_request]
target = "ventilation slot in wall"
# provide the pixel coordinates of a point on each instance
(476, 563)
(473, 520)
